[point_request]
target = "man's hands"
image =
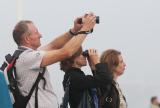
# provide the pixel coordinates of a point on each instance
(77, 26)
(88, 21)
(86, 25)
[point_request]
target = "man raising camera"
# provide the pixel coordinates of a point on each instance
(34, 58)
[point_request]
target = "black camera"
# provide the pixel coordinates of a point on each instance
(97, 20)
(85, 53)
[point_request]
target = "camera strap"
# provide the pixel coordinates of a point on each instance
(81, 32)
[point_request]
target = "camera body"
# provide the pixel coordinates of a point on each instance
(85, 53)
(97, 20)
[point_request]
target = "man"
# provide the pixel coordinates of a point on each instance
(154, 102)
(34, 59)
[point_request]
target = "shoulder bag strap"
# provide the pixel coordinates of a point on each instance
(35, 85)
(66, 95)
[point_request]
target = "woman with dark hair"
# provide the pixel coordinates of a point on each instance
(79, 82)
(112, 96)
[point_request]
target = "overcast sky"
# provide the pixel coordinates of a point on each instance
(131, 26)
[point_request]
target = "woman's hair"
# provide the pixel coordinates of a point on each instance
(110, 57)
(67, 63)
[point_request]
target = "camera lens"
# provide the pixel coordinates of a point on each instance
(85, 53)
(97, 19)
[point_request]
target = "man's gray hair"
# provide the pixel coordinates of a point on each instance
(20, 29)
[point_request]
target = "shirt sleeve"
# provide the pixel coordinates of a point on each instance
(33, 59)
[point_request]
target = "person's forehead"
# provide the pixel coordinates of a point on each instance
(32, 27)
(120, 57)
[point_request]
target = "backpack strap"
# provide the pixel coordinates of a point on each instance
(40, 76)
(10, 73)
(9, 58)
(66, 95)
(12, 60)
(4, 65)
(35, 86)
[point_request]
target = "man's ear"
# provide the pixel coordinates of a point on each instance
(26, 39)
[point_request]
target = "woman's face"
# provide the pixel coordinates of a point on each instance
(80, 61)
(119, 70)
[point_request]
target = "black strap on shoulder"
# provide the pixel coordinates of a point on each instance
(12, 60)
(9, 58)
(17, 53)
(66, 95)
(4, 65)
(40, 76)
(10, 68)
(35, 86)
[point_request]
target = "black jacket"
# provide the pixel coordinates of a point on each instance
(110, 96)
(79, 82)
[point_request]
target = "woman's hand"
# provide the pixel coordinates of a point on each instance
(93, 58)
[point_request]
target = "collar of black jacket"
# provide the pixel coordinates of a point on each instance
(73, 69)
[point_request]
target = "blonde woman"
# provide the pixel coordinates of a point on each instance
(112, 95)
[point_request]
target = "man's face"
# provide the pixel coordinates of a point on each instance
(34, 36)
